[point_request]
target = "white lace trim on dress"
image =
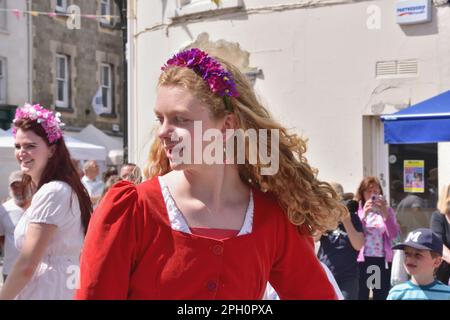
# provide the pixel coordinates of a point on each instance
(178, 222)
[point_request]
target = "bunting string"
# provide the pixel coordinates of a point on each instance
(21, 13)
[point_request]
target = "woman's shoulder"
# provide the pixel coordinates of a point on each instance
(125, 206)
(267, 201)
(126, 193)
(438, 216)
(56, 186)
(124, 189)
(272, 213)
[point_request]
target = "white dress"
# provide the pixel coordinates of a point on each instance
(57, 275)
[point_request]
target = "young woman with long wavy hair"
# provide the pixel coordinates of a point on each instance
(202, 230)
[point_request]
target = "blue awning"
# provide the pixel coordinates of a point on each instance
(425, 122)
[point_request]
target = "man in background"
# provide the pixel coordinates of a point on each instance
(131, 172)
(10, 213)
(92, 182)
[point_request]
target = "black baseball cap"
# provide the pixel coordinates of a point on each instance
(422, 239)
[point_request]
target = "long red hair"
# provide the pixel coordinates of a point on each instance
(59, 167)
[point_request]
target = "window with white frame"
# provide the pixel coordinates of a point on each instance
(105, 10)
(3, 80)
(107, 87)
(61, 6)
(62, 81)
(188, 7)
(187, 2)
(3, 15)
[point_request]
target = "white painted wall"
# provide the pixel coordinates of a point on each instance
(444, 164)
(13, 46)
(318, 63)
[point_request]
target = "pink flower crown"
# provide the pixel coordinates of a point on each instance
(219, 80)
(50, 122)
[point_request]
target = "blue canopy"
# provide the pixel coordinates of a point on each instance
(425, 122)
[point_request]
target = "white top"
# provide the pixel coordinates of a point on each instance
(93, 187)
(10, 214)
(57, 275)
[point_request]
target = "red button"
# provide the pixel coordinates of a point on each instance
(212, 286)
(217, 250)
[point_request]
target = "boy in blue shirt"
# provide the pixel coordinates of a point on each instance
(423, 255)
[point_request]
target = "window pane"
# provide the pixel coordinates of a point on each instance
(106, 76)
(60, 90)
(104, 7)
(58, 72)
(62, 68)
(105, 97)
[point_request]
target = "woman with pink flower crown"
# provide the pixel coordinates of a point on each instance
(50, 233)
(211, 230)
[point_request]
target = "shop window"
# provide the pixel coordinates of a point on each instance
(413, 180)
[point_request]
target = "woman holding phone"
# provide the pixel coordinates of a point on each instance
(380, 228)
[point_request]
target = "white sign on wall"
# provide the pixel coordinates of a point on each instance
(413, 11)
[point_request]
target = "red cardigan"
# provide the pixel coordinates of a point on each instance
(131, 252)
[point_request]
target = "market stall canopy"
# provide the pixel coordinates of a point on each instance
(113, 145)
(425, 122)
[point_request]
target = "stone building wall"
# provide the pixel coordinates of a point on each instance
(87, 48)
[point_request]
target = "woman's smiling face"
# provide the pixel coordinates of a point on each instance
(32, 153)
(177, 110)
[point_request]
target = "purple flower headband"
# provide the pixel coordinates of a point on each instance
(51, 123)
(219, 80)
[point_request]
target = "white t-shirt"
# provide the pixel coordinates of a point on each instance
(57, 275)
(10, 214)
(93, 187)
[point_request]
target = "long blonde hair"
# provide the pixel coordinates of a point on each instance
(443, 204)
(305, 199)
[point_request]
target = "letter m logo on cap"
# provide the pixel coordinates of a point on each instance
(413, 236)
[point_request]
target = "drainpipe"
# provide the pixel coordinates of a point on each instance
(122, 4)
(29, 54)
(131, 116)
